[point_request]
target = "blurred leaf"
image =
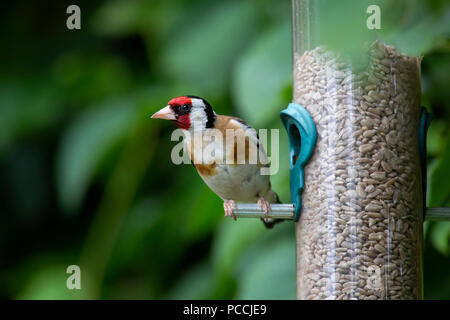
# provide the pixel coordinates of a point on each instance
(440, 237)
(435, 79)
(44, 276)
(268, 268)
(83, 145)
(439, 190)
(131, 239)
(436, 138)
(204, 49)
(153, 19)
(120, 17)
(117, 199)
(231, 240)
(84, 78)
(207, 210)
(261, 75)
(47, 283)
(423, 34)
(28, 106)
(197, 283)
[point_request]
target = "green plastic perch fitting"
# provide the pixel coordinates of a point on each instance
(302, 135)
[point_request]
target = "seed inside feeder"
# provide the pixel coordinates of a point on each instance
(361, 223)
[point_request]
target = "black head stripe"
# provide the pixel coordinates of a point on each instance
(211, 117)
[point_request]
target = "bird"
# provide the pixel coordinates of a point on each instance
(232, 179)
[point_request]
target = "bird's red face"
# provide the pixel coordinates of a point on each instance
(178, 111)
(187, 112)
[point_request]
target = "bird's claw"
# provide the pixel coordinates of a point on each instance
(228, 206)
(265, 206)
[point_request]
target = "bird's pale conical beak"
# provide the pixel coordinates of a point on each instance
(165, 113)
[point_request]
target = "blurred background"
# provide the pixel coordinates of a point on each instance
(86, 176)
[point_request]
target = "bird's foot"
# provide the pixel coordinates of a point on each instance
(228, 206)
(264, 205)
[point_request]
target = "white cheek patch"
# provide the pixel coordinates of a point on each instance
(201, 114)
(198, 114)
(197, 103)
(198, 118)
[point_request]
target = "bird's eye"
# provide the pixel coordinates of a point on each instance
(186, 107)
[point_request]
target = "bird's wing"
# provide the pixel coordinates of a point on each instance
(225, 122)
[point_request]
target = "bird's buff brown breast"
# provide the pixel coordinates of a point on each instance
(206, 170)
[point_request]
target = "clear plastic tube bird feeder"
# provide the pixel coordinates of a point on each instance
(357, 151)
(360, 231)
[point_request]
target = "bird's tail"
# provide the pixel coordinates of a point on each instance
(272, 197)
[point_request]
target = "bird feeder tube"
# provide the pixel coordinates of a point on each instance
(357, 165)
(360, 232)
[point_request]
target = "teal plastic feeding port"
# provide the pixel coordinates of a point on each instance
(302, 135)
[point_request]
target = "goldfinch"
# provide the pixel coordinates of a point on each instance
(236, 178)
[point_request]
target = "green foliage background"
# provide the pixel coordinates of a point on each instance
(86, 176)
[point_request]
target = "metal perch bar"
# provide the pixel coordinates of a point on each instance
(437, 214)
(252, 210)
(286, 211)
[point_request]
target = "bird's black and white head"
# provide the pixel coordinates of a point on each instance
(188, 112)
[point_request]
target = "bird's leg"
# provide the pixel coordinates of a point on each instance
(228, 206)
(265, 206)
